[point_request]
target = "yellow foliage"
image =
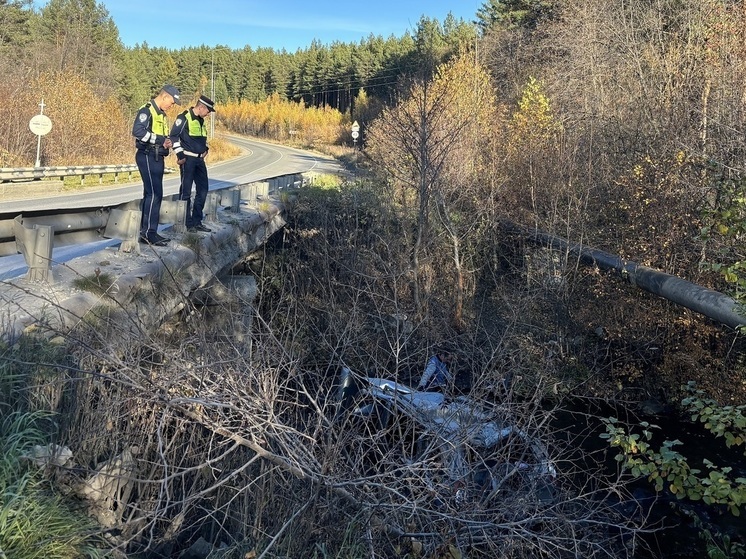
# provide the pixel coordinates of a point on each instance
(87, 128)
(284, 120)
(470, 92)
(440, 131)
(533, 123)
(470, 115)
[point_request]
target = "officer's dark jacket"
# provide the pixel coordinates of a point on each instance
(189, 134)
(150, 128)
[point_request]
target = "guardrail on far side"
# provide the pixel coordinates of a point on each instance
(8, 174)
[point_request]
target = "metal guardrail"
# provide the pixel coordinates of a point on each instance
(8, 174)
(35, 237)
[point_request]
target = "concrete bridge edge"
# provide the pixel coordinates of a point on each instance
(145, 295)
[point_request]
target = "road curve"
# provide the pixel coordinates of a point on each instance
(260, 161)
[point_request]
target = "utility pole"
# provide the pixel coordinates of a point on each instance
(212, 86)
(212, 94)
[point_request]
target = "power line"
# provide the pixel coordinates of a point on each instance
(385, 76)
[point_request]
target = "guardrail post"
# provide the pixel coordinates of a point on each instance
(248, 193)
(125, 225)
(255, 191)
(173, 211)
(283, 182)
(211, 206)
(234, 197)
(181, 211)
(36, 245)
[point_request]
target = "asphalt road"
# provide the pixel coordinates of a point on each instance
(261, 161)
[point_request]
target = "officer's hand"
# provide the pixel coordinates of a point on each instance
(181, 161)
(167, 143)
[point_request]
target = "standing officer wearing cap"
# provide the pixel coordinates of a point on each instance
(189, 136)
(152, 142)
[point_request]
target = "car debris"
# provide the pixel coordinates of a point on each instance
(478, 449)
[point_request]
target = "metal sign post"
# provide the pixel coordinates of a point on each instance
(40, 125)
(355, 132)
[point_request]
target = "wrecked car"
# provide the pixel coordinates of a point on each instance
(474, 452)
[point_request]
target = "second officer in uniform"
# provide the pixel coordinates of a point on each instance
(189, 137)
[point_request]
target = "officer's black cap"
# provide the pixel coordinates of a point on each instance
(173, 92)
(207, 102)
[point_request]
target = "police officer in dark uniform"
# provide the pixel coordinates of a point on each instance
(153, 143)
(189, 137)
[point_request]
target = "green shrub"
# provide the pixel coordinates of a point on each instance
(668, 469)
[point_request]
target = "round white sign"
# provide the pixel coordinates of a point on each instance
(40, 125)
(355, 134)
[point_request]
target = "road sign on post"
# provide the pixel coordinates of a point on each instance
(355, 132)
(40, 125)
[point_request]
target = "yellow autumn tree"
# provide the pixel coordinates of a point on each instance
(86, 128)
(279, 119)
(533, 123)
(468, 187)
(430, 149)
(536, 190)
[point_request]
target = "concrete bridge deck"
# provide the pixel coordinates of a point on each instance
(147, 289)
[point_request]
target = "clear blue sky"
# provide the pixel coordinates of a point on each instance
(288, 24)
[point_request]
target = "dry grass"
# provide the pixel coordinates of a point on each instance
(221, 149)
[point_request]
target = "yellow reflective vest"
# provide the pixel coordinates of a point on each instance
(197, 129)
(158, 121)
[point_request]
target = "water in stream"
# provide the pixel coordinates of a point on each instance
(678, 536)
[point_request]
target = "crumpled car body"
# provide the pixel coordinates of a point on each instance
(479, 451)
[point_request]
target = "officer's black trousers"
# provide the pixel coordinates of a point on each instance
(151, 171)
(194, 171)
